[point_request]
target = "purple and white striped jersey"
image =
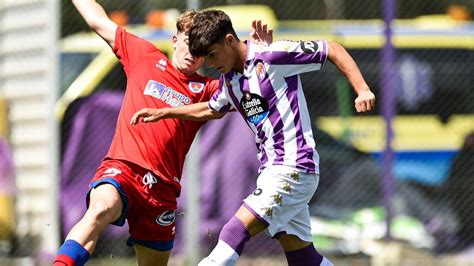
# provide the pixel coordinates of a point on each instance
(270, 98)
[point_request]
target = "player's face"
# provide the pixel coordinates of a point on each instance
(221, 56)
(182, 59)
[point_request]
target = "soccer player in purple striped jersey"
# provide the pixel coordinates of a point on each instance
(262, 83)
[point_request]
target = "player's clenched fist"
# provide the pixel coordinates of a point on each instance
(365, 101)
(147, 115)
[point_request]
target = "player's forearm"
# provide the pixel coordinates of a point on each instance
(346, 64)
(96, 17)
(195, 112)
(91, 11)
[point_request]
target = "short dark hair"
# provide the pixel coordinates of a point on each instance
(209, 27)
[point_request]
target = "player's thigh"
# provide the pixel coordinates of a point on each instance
(108, 199)
(150, 257)
(280, 196)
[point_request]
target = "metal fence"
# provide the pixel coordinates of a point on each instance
(433, 84)
(431, 207)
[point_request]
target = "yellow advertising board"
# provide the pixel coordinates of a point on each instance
(411, 133)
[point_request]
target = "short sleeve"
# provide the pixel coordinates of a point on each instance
(219, 102)
(291, 58)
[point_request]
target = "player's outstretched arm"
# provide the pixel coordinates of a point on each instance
(261, 33)
(95, 16)
(195, 112)
(346, 64)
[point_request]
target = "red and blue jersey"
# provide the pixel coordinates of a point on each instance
(153, 82)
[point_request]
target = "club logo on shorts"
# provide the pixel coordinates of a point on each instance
(309, 47)
(166, 218)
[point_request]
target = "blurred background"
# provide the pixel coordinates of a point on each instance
(397, 184)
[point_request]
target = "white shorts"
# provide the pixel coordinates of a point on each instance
(281, 201)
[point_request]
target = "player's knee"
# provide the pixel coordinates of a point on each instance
(291, 242)
(105, 204)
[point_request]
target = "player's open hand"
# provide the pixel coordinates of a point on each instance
(365, 101)
(146, 115)
(260, 33)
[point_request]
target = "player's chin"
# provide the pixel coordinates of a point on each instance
(187, 69)
(194, 66)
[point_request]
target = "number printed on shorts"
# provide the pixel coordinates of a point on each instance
(257, 192)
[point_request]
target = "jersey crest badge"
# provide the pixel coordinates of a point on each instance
(261, 71)
(196, 87)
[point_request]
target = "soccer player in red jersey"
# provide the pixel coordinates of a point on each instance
(139, 179)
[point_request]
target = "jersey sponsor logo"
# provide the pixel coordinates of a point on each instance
(161, 64)
(261, 71)
(255, 107)
(166, 94)
(309, 47)
(166, 218)
(196, 87)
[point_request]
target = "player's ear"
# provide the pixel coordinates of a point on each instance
(230, 39)
(174, 40)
